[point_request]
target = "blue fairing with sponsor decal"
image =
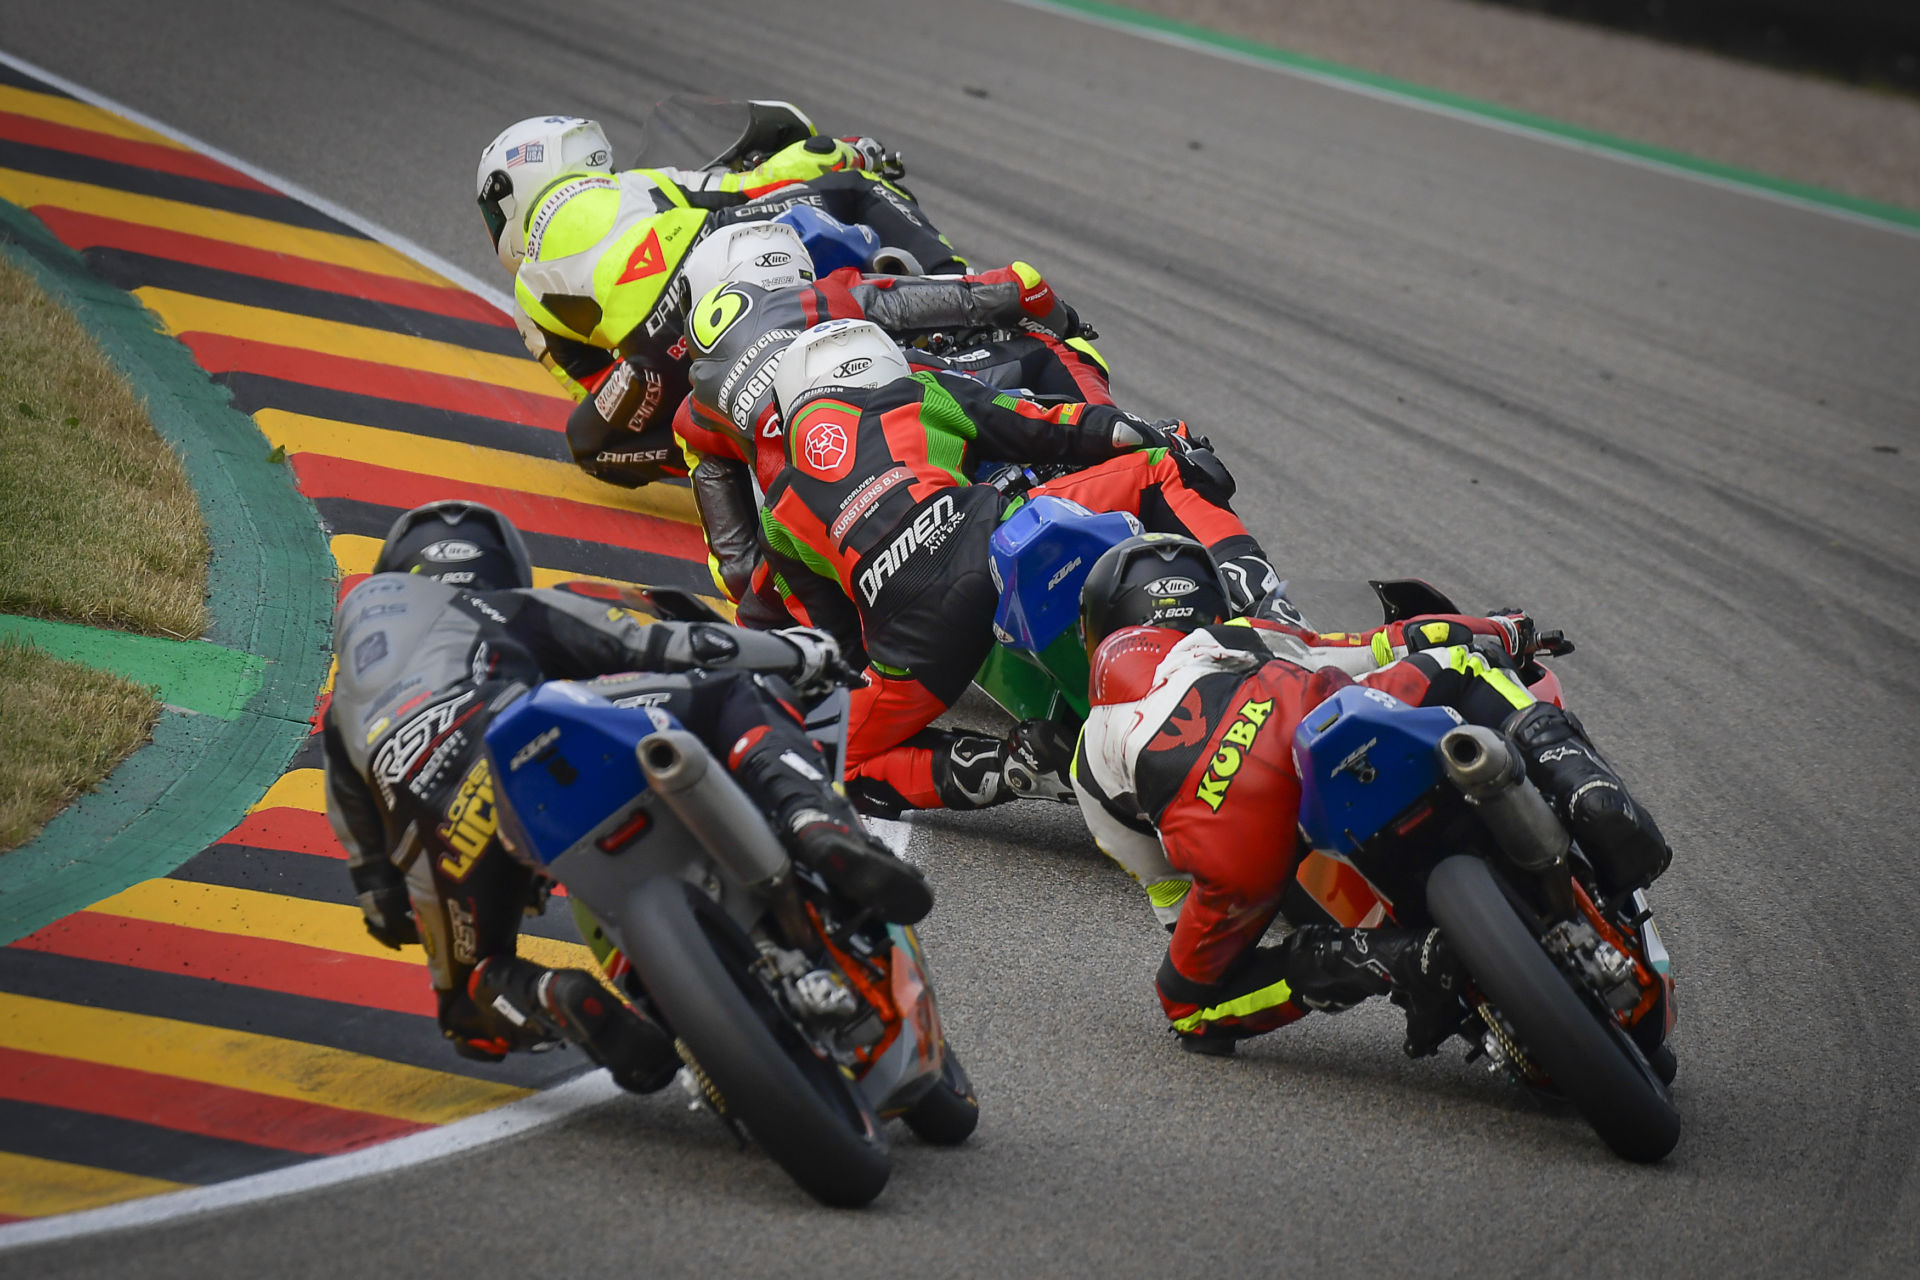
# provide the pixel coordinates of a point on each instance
(1040, 556)
(1364, 757)
(831, 243)
(563, 763)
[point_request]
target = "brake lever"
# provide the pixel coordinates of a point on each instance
(1553, 643)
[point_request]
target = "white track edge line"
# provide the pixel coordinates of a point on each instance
(373, 230)
(1465, 115)
(481, 1130)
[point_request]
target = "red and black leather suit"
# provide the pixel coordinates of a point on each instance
(875, 528)
(730, 423)
(1191, 736)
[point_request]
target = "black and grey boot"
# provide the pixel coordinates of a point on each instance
(1249, 578)
(1619, 837)
(969, 770)
(1332, 968)
(1039, 761)
(822, 832)
(570, 1003)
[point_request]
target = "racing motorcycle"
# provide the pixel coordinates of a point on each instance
(1414, 818)
(802, 1023)
(1417, 818)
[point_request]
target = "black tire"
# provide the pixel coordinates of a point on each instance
(1648, 1034)
(1593, 1063)
(946, 1114)
(800, 1108)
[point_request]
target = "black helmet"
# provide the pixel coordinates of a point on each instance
(1153, 580)
(462, 544)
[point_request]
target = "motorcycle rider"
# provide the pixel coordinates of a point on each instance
(874, 526)
(597, 256)
(1185, 768)
(444, 634)
(755, 289)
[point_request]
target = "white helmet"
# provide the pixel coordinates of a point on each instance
(519, 163)
(769, 254)
(839, 353)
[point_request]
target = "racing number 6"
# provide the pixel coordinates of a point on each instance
(714, 314)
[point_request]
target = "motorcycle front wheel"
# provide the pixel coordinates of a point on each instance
(1594, 1064)
(946, 1114)
(801, 1108)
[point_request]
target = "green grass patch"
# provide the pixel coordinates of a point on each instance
(98, 523)
(63, 727)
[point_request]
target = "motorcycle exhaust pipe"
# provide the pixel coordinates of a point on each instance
(713, 807)
(1490, 772)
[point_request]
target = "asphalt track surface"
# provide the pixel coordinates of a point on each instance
(1678, 421)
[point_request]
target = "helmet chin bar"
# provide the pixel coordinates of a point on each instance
(497, 189)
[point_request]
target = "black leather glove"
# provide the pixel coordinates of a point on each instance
(1137, 433)
(389, 916)
(1076, 327)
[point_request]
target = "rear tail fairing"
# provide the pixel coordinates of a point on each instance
(1040, 557)
(1371, 791)
(575, 804)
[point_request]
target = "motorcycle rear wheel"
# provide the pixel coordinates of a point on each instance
(1595, 1065)
(800, 1108)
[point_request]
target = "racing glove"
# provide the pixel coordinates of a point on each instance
(1131, 433)
(1200, 467)
(821, 667)
(388, 914)
(1040, 307)
(874, 157)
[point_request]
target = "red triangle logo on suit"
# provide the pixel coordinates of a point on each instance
(647, 260)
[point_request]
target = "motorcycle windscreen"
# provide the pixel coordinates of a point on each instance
(1353, 604)
(688, 131)
(1040, 557)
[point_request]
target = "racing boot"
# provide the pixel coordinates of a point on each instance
(969, 770)
(1249, 579)
(1332, 969)
(1619, 837)
(972, 771)
(784, 775)
(1039, 762)
(572, 1004)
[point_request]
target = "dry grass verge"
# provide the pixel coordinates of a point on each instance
(98, 523)
(63, 727)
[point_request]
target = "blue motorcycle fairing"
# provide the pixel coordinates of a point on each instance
(563, 762)
(1364, 757)
(1040, 556)
(831, 243)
